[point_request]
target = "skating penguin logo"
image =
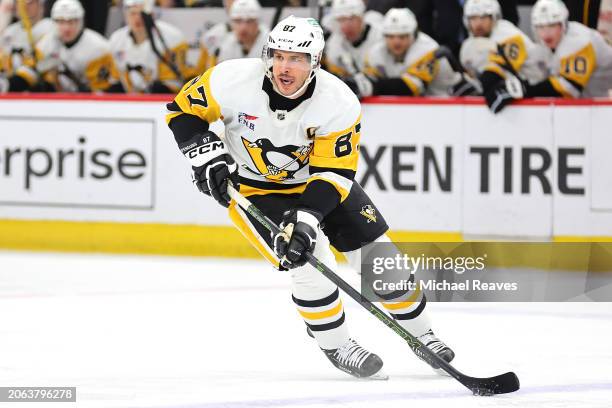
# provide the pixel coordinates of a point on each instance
(276, 163)
(369, 212)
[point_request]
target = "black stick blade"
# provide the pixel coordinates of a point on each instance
(501, 384)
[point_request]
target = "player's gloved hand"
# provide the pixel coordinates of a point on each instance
(466, 86)
(212, 166)
(498, 97)
(360, 84)
(298, 237)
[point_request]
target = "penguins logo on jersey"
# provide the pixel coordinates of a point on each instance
(369, 212)
(276, 163)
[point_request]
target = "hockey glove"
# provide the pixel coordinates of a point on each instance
(212, 166)
(360, 84)
(298, 237)
(466, 86)
(498, 98)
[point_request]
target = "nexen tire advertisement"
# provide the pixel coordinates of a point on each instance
(534, 171)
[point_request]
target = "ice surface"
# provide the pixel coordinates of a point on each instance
(169, 332)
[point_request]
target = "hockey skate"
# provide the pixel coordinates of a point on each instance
(436, 345)
(357, 361)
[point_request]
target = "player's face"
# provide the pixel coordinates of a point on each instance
(68, 30)
(398, 44)
(133, 18)
(33, 9)
(480, 26)
(550, 34)
(290, 70)
(246, 29)
(351, 27)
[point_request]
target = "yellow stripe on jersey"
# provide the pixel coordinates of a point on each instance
(178, 56)
(241, 222)
(425, 68)
(101, 72)
(370, 70)
(337, 70)
(196, 98)
(332, 178)
(248, 191)
(515, 51)
(579, 66)
(322, 315)
(416, 89)
(556, 83)
(337, 150)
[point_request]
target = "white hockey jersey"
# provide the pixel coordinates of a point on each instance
(420, 70)
(210, 42)
(230, 48)
(270, 147)
(524, 56)
(86, 65)
(15, 46)
(139, 66)
(582, 63)
(343, 58)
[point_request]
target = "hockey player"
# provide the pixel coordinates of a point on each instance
(211, 40)
(291, 143)
(346, 47)
(509, 51)
(69, 59)
(141, 70)
(405, 63)
(579, 60)
(248, 36)
(16, 45)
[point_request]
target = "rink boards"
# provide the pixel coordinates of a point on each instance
(104, 174)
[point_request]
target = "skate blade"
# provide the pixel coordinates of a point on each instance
(441, 372)
(379, 376)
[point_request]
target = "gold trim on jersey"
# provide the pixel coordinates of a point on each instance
(248, 191)
(558, 86)
(329, 150)
(579, 66)
(243, 224)
(334, 69)
(178, 55)
(425, 68)
(327, 177)
(415, 88)
(514, 50)
(101, 72)
(196, 98)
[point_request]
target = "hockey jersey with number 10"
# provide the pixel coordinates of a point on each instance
(317, 140)
(582, 63)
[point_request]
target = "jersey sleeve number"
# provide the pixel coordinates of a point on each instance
(343, 145)
(197, 96)
(576, 65)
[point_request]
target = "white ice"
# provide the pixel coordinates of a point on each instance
(164, 332)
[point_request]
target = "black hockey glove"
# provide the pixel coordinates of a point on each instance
(498, 98)
(465, 87)
(299, 236)
(360, 84)
(212, 166)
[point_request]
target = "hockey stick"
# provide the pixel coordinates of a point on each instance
(149, 23)
(501, 384)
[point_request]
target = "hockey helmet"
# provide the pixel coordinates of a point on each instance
(67, 10)
(245, 9)
(479, 8)
(399, 21)
(296, 34)
(546, 12)
(347, 8)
